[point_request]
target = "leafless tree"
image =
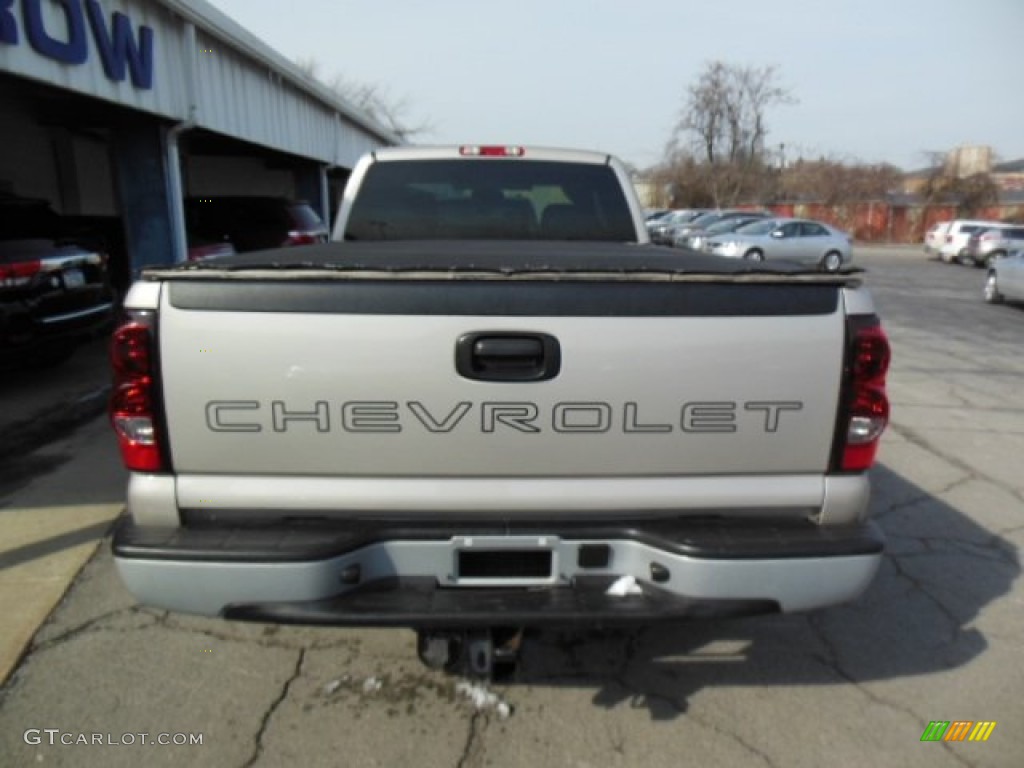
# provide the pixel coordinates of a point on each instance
(833, 182)
(722, 128)
(944, 184)
(371, 98)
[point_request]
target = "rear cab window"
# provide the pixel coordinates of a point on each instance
(499, 200)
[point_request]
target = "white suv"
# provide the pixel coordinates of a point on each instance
(935, 237)
(954, 245)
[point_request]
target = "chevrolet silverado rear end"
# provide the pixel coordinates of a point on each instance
(471, 430)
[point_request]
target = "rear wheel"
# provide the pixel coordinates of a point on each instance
(992, 295)
(754, 255)
(832, 262)
(992, 258)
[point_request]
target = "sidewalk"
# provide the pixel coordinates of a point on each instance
(60, 487)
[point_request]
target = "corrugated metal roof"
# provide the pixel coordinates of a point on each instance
(284, 82)
(239, 97)
(208, 70)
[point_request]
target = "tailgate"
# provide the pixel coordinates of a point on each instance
(361, 378)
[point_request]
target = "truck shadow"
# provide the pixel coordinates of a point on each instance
(940, 570)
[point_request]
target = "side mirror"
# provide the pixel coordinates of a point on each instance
(778, 234)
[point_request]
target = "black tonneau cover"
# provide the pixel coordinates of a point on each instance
(473, 259)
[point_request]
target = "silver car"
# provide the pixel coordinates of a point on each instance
(1005, 279)
(954, 246)
(678, 235)
(803, 240)
(987, 245)
(697, 240)
(659, 230)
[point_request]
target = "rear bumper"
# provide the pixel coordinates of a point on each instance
(397, 574)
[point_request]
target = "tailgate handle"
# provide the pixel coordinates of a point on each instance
(504, 356)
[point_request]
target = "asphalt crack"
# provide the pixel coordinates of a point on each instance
(954, 621)
(92, 626)
(264, 724)
(974, 474)
(832, 661)
(473, 750)
(924, 497)
(750, 748)
(168, 621)
(994, 550)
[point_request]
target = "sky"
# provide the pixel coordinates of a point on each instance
(874, 80)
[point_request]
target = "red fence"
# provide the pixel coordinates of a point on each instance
(883, 222)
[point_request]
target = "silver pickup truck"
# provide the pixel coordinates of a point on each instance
(490, 404)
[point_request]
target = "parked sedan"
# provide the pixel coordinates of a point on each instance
(697, 240)
(54, 291)
(661, 229)
(1005, 279)
(658, 228)
(810, 242)
(680, 234)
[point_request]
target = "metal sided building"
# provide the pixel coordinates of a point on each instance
(116, 110)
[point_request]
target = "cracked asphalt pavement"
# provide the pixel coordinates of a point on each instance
(938, 636)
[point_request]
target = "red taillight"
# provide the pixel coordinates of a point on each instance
(129, 351)
(132, 406)
(19, 273)
(867, 407)
(491, 151)
(870, 354)
(301, 238)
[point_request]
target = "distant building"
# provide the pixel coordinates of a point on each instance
(1009, 177)
(968, 161)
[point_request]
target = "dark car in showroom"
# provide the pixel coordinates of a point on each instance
(55, 288)
(252, 223)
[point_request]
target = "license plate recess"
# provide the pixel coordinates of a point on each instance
(504, 560)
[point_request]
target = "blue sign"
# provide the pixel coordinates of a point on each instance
(121, 52)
